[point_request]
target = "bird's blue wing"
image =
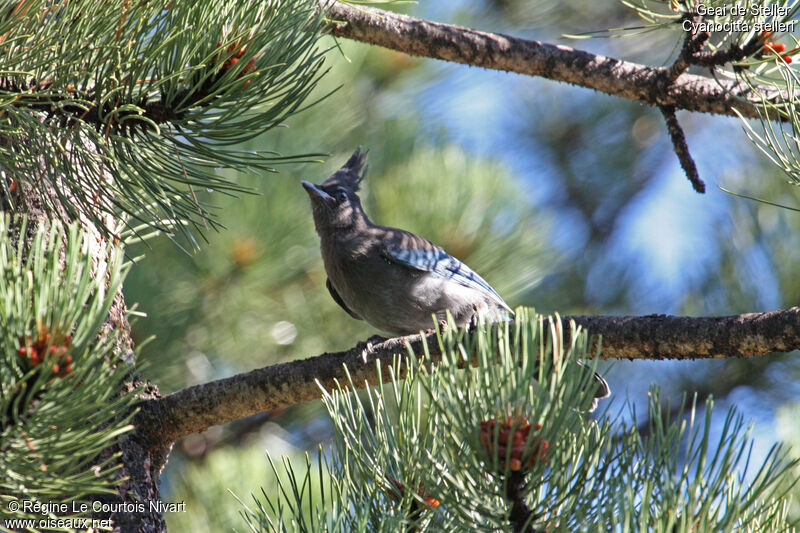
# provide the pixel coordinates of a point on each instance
(418, 259)
(434, 259)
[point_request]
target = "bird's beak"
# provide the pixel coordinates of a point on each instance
(315, 191)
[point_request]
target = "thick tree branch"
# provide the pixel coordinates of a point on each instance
(658, 337)
(196, 408)
(657, 86)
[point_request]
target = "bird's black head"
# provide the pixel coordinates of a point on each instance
(335, 204)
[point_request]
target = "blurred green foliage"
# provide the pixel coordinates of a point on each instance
(210, 487)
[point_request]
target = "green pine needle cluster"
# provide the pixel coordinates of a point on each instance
(61, 404)
(121, 107)
(779, 142)
(432, 451)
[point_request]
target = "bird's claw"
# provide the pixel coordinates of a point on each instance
(472, 325)
(369, 345)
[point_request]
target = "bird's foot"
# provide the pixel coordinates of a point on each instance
(370, 343)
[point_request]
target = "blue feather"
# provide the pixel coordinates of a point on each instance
(443, 264)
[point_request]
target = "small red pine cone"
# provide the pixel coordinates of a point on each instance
(57, 351)
(398, 495)
(787, 59)
(432, 502)
(62, 370)
(540, 447)
(523, 452)
(777, 48)
(506, 437)
(46, 345)
(250, 66)
(29, 350)
(503, 436)
(236, 50)
(229, 63)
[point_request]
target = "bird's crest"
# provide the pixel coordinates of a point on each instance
(351, 173)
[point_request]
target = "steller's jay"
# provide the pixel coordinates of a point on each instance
(392, 279)
(388, 277)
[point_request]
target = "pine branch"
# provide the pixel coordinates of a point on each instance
(554, 468)
(65, 351)
(157, 101)
(655, 86)
(113, 116)
(654, 337)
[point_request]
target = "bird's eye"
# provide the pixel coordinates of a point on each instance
(341, 196)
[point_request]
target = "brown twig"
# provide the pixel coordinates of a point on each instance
(692, 45)
(682, 149)
(520, 514)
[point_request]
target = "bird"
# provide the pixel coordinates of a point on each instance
(394, 280)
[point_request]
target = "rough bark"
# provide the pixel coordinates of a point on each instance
(657, 337)
(656, 86)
